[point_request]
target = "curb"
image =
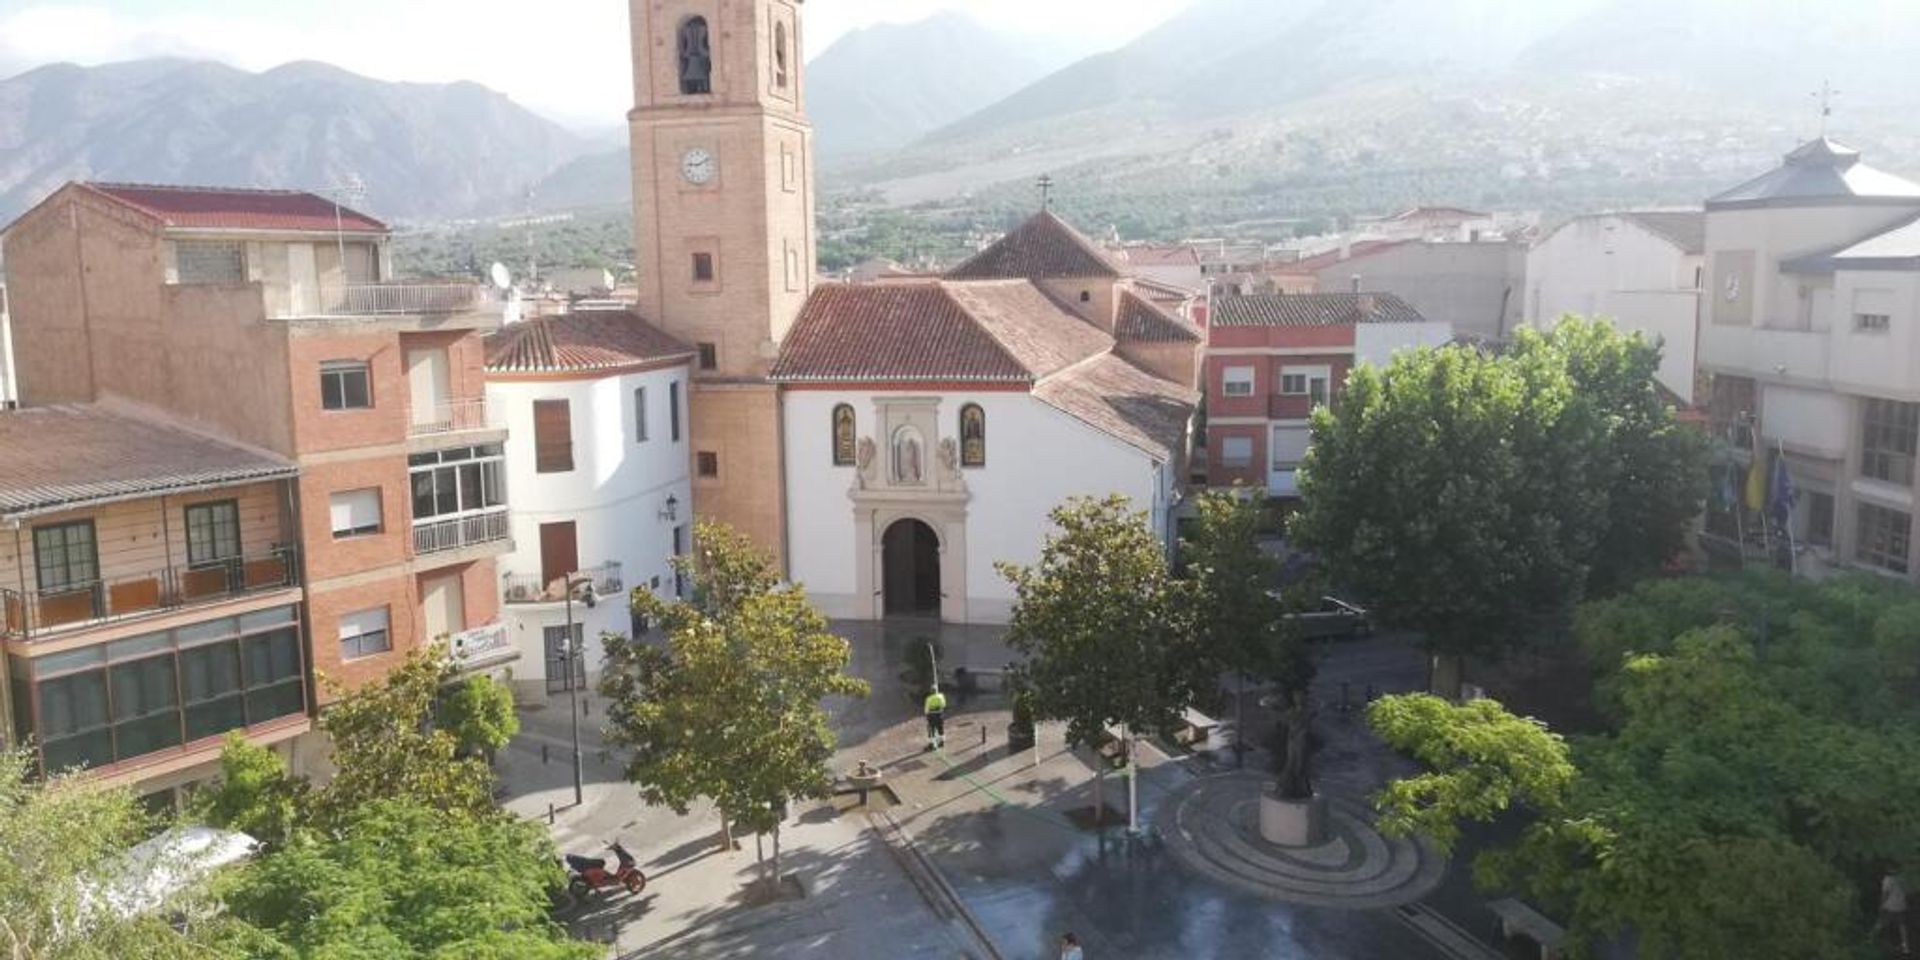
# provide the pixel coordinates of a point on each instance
(924, 874)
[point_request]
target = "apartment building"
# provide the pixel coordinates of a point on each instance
(150, 594)
(1271, 359)
(1811, 332)
(599, 459)
(270, 318)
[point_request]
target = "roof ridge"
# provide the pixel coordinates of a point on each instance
(967, 310)
(191, 188)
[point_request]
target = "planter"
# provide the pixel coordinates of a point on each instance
(1292, 823)
(1019, 737)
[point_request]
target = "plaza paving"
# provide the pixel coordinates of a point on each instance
(992, 858)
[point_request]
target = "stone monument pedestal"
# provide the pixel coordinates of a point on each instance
(1292, 823)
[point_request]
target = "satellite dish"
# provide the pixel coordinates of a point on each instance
(501, 277)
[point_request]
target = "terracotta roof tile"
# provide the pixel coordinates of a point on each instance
(582, 341)
(229, 208)
(1032, 327)
(1311, 310)
(1044, 247)
(71, 456)
(1143, 322)
(1126, 402)
(892, 331)
(1321, 261)
(1179, 255)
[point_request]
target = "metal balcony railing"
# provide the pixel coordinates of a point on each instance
(37, 612)
(455, 533)
(604, 580)
(404, 299)
(451, 416)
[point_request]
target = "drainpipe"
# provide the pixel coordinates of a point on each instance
(9, 737)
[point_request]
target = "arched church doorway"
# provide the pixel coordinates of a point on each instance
(910, 556)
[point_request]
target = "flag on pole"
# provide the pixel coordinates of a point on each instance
(1757, 484)
(1781, 494)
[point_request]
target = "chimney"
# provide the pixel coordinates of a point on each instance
(1356, 283)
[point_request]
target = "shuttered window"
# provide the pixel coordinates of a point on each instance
(552, 436)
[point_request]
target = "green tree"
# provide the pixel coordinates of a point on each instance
(386, 747)
(62, 840)
(479, 713)
(404, 878)
(1104, 629)
(255, 795)
(1238, 616)
(730, 710)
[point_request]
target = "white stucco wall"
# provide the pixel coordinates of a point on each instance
(1812, 422)
(1037, 457)
(1612, 268)
(1887, 362)
(1376, 343)
(615, 496)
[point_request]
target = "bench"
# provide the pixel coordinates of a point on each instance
(1195, 729)
(972, 680)
(1518, 919)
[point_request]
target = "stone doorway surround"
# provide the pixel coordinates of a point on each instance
(884, 493)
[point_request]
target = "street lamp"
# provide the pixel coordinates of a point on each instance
(575, 675)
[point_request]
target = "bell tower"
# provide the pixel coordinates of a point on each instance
(724, 244)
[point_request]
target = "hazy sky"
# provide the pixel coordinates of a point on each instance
(565, 58)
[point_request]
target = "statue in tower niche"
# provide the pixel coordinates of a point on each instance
(908, 457)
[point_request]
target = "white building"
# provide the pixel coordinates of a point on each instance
(596, 406)
(1639, 269)
(929, 427)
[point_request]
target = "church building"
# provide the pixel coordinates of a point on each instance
(887, 442)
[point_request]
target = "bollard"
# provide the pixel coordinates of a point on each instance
(586, 707)
(983, 736)
(1369, 693)
(1345, 686)
(549, 813)
(543, 754)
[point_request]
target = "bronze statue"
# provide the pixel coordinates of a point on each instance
(1295, 740)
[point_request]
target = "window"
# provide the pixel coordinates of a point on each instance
(1884, 538)
(696, 57)
(552, 436)
(213, 532)
(1289, 446)
(673, 409)
(780, 55)
(344, 385)
(356, 513)
(1819, 514)
(363, 634)
(202, 261)
(1237, 382)
(1236, 451)
(1889, 432)
(458, 481)
(640, 414)
(708, 464)
(703, 267)
(973, 436)
(709, 356)
(845, 444)
(1310, 382)
(146, 708)
(1872, 322)
(65, 556)
(1086, 296)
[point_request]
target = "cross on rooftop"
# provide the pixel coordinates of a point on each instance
(1825, 95)
(1046, 191)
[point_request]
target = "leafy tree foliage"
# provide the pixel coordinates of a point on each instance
(60, 840)
(730, 710)
(479, 713)
(1238, 615)
(1104, 626)
(1757, 732)
(255, 795)
(406, 879)
(1471, 496)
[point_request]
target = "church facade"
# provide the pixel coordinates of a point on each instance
(887, 442)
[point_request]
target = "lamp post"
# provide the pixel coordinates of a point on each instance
(574, 678)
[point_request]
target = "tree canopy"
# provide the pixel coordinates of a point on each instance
(1759, 727)
(1476, 496)
(1238, 616)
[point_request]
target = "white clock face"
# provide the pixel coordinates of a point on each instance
(698, 166)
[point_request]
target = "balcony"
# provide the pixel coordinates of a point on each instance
(482, 647)
(453, 416)
(605, 580)
(440, 301)
(459, 533)
(36, 613)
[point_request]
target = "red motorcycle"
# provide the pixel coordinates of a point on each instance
(587, 874)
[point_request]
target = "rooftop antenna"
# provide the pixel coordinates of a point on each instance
(1825, 95)
(349, 190)
(1046, 191)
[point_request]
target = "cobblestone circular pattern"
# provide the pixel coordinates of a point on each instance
(1212, 827)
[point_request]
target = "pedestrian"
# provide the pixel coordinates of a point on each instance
(936, 708)
(1070, 947)
(1893, 910)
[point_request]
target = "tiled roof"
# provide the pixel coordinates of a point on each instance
(1156, 256)
(1142, 322)
(1685, 229)
(1126, 402)
(580, 342)
(1321, 261)
(1413, 212)
(1042, 248)
(1001, 332)
(1312, 310)
(1818, 173)
(71, 456)
(228, 208)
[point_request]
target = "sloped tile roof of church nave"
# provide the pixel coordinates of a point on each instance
(584, 341)
(1126, 402)
(1045, 247)
(1142, 321)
